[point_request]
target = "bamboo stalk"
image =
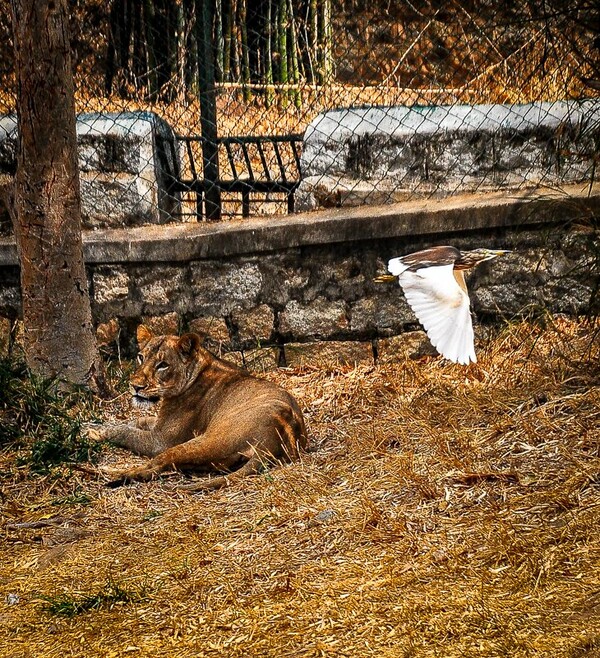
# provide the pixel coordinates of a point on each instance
(325, 42)
(219, 42)
(269, 91)
(244, 52)
(282, 21)
(228, 42)
(151, 65)
(293, 54)
(235, 39)
(313, 39)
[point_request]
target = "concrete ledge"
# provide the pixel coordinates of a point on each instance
(442, 217)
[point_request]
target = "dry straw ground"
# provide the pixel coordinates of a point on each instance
(444, 511)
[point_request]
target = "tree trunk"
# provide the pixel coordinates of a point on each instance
(59, 339)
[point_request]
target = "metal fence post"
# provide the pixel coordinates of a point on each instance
(205, 11)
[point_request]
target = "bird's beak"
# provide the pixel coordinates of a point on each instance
(493, 253)
(385, 278)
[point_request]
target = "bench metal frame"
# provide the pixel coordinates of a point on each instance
(245, 178)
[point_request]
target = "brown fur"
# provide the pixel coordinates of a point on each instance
(212, 416)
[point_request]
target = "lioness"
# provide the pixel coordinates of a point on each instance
(212, 415)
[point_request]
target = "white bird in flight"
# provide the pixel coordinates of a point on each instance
(433, 282)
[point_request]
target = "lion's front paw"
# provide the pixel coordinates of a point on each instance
(112, 432)
(96, 432)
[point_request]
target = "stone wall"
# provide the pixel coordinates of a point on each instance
(283, 284)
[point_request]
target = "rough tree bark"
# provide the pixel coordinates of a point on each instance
(58, 338)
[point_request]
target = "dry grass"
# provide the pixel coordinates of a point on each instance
(444, 511)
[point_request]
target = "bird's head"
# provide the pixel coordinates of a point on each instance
(469, 259)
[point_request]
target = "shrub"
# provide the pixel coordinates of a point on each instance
(36, 416)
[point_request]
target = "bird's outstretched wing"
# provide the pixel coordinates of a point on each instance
(442, 307)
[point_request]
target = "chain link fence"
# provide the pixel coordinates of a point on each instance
(227, 105)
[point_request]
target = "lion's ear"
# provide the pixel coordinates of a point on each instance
(188, 344)
(144, 335)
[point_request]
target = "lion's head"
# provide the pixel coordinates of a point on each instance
(167, 366)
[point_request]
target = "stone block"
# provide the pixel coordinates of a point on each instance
(261, 359)
(218, 288)
(328, 353)
(532, 279)
(340, 277)
(320, 318)
(212, 328)
(110, 284)
(254, 325)
(383, 314)
(162, 288)
(380, 155)
(325, 191)
(127, 161)
(285, 275)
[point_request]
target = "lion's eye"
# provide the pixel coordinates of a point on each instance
(140, 359)
(162, 366)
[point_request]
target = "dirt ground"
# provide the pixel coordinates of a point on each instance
(442, 511)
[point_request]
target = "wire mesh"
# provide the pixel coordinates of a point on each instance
(223, 73)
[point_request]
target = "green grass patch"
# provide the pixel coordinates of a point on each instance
(41, 420)
(71, 605)
(76, 498)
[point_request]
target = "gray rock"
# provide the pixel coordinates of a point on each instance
(161, 288)
(111, 283)
(320, 318)
(254, 326)
(381, 314)
(218, 288)
(411, 345)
